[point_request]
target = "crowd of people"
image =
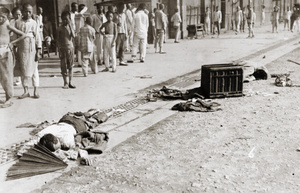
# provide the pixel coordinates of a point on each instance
(82, 39)
(100, 38)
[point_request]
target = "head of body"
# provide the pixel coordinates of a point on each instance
(88, 21)
(50, 142)
(207, 9)
(81, 7)
(154, 10)
(128, 6)
(74, 7)
(100, 9)
(109, 16)
(4, 13)
(288, 8)
(141, 7)
(217, 8)
(249, 7)
(27, 11)
(161, 6)
(120, 8)
(16, 12)
(65, 17)
(176, 10)
(45, 19)
(111, 9)
(238, 8)
(39, 11)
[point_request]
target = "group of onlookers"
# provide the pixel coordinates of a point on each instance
(92, 40)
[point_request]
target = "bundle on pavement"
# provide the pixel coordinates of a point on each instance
(253, 70)
(173, 94)
(197, 105)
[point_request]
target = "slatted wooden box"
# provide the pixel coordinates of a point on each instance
(222, 80)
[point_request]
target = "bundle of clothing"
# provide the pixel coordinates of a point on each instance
(197, 105)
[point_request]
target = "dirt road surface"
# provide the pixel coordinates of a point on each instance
(249, 146)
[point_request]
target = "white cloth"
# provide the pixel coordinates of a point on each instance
(63, 131)
(176, 19)
(141, 23)
(218, 16)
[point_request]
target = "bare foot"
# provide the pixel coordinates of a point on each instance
(25, 95)
(7, 103)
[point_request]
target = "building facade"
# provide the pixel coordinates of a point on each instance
(192, 11)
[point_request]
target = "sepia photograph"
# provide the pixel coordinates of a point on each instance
(138, 96)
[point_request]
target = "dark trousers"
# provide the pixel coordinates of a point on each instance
(121, 40)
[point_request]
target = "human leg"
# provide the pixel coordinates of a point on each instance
(6, 75)
(135, 47)
(85, 63)
(121, 48)
(70, 61)
(143, 44)
(106, 47)
(161, 40)
(36, 82)
(63, 67)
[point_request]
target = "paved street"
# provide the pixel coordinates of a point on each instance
(106, 90)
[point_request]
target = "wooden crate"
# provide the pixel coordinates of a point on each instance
(222, 80)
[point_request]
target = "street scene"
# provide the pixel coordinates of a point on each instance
(149, 96)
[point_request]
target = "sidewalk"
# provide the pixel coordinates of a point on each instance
(105, 90)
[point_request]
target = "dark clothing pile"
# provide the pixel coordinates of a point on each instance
(84, 121)
(172, 94)
(197, 105)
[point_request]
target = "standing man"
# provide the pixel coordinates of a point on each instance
(287, 18)
(28, 51)
(98, 19)
(238, 18)
(73, 13)
(152, 20)
(250, 21)
(217, 20)
(176, 19)
(130, 25)
(141, 24)
(160, 26)
(39, 21)
(275, 19)
(207, 21)
(86, 45)
(122, 33)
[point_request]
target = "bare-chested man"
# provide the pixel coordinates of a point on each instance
(109, 43)
(6, 57)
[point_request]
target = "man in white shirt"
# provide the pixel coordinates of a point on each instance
(141, 24)
(176, 19)
(217, 20)
(98, 19)
(130, 25)
(122, 33)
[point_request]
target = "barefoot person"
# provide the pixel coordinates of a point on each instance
(109, 43)
(27, 55)
(65, 36)
(6, 57)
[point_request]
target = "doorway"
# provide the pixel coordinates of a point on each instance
(223, 10)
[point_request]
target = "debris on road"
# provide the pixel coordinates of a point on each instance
(197, 105)
(37, 160)
(144, 77)
(293, 61)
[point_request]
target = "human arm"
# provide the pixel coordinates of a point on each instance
(101, 30)
(115, 35)
(18, 32)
